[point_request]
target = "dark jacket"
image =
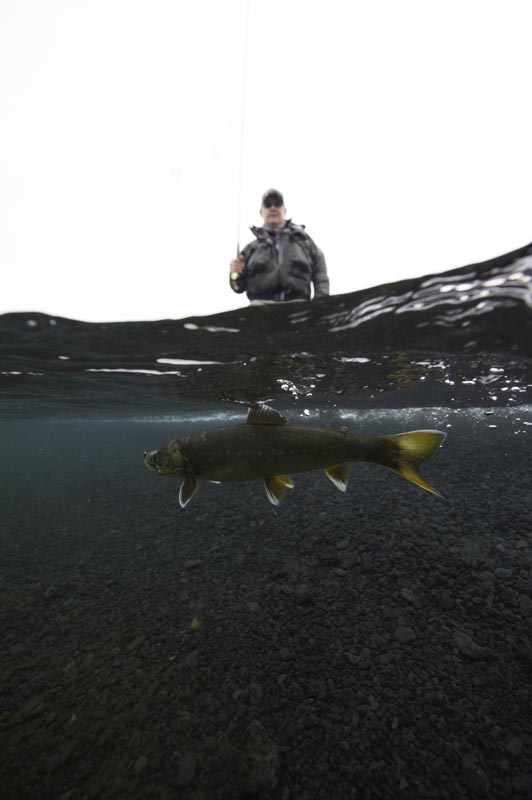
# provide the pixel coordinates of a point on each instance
(282, 269)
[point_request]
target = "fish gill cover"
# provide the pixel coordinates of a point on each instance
(464, 337)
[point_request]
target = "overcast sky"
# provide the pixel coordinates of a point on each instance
(399, 133)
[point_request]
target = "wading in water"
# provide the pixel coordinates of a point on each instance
(283, 263)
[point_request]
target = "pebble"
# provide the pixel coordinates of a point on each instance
(343, 545)
(514, 746)
(192, 660)
(330, 558)
(303, 595)
(445, 600)
(403, 634)
(259, 764)
(467, 646)
(525, 605)
(57, 761)
(256, 694)
(186, 770)
(503, 572)
(474, 779)
(408, 595)
(140, 765)
(522, 785)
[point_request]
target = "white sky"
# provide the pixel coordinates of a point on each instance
(399, 132)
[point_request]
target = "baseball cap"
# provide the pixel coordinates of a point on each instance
(273, 194)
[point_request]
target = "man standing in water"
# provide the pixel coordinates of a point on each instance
(282, 262)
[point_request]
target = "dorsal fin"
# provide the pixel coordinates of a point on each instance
(264, 415)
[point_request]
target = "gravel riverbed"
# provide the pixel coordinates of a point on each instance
(376, 644)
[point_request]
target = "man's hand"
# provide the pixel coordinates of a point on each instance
(236, 266)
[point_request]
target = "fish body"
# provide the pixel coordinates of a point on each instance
(266, 448)
(252, 452)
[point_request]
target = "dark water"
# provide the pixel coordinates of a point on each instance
(376, 644)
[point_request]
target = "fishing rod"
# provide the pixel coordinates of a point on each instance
(242, 124)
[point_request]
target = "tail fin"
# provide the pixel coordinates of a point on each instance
(409, 451)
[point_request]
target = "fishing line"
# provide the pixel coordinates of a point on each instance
(242, 124)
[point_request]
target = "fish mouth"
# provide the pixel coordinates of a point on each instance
(164, 462)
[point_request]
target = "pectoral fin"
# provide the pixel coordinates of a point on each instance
(276, 487)
(189, 487)
(338, 475)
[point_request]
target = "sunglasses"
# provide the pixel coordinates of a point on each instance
(270, 203)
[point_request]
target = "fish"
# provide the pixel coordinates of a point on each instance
(266, 447)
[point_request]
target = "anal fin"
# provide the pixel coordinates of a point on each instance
(339, 475)
(189, 487)
(276, 487)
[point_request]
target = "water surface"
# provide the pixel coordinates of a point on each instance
(372, 644)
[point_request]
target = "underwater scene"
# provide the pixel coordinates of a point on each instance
(298, 643)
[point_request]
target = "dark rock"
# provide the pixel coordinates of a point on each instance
(445, 600)
(303, 595)
(408, 595)
(525, 605)
(192, 660)
(467, 646)
(186, 769)
(403, 634)
(343, 545)
(522, 785)
(474, 779)
(502, 572)
(58, 761)
(330, 558)
(486, 577)
(514, 747)
(259, 767)
(140, 765)
(256, 694)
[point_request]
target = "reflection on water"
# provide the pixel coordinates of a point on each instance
(473, 294)
(436, 340)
